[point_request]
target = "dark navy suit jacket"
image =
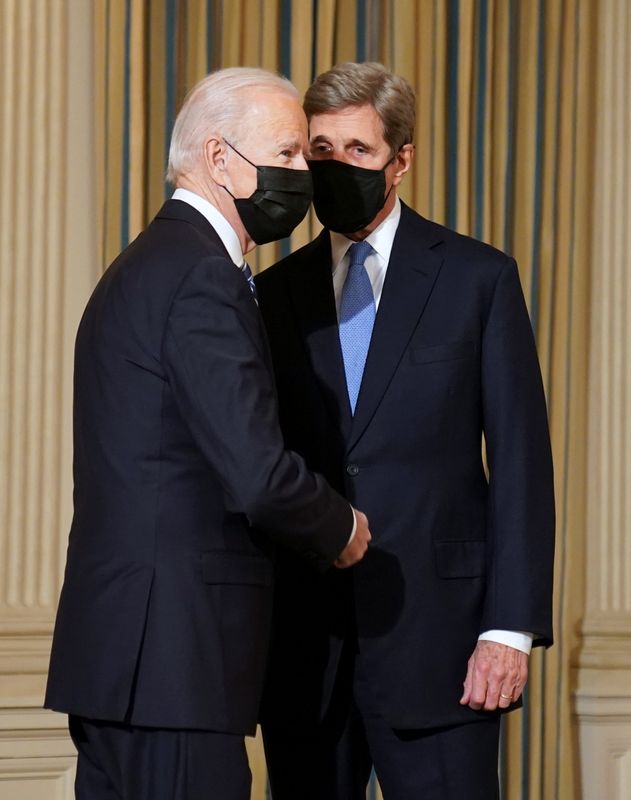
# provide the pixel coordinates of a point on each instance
(452, 358)
(165, 609)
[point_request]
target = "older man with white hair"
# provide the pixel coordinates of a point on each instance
(162, 631)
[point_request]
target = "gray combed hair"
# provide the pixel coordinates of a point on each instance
(217, 104)
(368, 83)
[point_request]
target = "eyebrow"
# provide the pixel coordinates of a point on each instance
(352, 143)
(361, 143)
(288, 143)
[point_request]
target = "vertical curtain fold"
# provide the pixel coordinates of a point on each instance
(503, 153)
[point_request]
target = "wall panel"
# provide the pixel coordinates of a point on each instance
(48, 265)
(603, 675)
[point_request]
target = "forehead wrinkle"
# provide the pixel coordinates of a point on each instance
(272, 132)
(343, 124)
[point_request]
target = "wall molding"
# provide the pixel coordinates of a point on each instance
(602, 695)
(48, 266)
(37, 758)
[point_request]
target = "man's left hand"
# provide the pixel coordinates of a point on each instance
(496, 676)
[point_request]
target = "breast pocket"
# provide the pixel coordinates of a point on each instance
(450, 351)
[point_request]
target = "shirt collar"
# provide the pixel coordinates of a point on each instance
(381, 239)
(222, 227)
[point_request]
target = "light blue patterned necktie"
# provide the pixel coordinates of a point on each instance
(357, 318)
(245, 269)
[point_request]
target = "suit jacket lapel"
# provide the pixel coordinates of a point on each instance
(412, 272)
(312, 294)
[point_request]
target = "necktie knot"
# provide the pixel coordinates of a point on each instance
(359, 252)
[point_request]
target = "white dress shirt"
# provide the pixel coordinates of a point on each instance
(376, 263)
(381, 240)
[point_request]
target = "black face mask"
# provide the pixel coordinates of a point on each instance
(280, 201)
(347, 198)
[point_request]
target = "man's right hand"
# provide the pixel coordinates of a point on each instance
(356, 548)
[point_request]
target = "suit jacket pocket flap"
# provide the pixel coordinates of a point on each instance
(461, 559)
(236, 568)
(442, 352)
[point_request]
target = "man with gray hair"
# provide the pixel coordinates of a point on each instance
(398, 345)
(161, 637)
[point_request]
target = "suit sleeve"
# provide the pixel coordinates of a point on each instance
(521, 492)
(213, 355)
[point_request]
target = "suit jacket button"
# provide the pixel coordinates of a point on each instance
(352, 470)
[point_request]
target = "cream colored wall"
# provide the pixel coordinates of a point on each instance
(47, 268)
(603, 675)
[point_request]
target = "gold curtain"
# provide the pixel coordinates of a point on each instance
(503, 152)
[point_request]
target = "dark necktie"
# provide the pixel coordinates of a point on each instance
(245, 269)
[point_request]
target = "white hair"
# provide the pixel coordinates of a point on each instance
(217, 104)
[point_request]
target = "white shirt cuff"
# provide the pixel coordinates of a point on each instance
(354, 531)
(520, 640)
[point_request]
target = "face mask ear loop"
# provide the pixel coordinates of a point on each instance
(244, 158)
(240, 154)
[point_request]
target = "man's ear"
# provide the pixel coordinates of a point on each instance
(402, 163)
(215, 158)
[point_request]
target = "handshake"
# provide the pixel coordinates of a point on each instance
(357, 546)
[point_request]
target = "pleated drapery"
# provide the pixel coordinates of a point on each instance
(503, 152)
